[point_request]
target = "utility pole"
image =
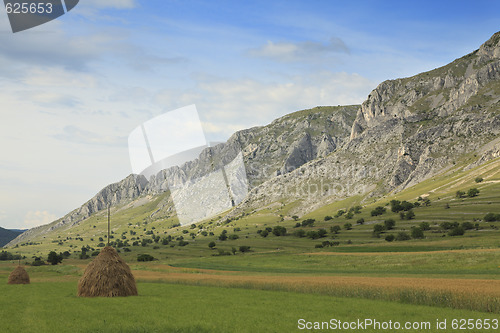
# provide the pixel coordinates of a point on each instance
(109, 205)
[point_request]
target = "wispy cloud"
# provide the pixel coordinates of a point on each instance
(299, 51)
(226, 105)
(37, 218)
(75, 134)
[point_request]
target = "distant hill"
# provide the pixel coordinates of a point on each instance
(6, 235)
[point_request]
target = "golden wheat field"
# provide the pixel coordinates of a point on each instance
(474, 294)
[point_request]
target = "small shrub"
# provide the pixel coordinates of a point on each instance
(478, 179)
(308, 222)
(328, 218)
(417, 233)
(403, 236)
(491, 217)
(390, 237)
(244, 248)
(279, 231)
(211, 244)
(425, 226)
(335, 229)
(467, 226)
(360, 221)
(145, 257)
(340, 213)
(456, 231)
(378, 228)
(378, 211)
(299, 233)
(473, 192)
(389, 224)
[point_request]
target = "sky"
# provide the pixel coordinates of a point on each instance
(73, 89)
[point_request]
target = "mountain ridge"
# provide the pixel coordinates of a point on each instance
(406, 131)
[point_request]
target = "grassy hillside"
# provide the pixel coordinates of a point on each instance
(436, 198)
(6, 235)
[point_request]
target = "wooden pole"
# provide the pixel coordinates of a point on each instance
(108, 222)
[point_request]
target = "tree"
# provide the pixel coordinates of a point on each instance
(409, 215)
(389, 224)
(402, 236)
(417, 232)
(425, 226)
(390, 237)
(328, 218)
(478, 179)
(348, 226)
(356, 209)
(308, 222)
(279, 231)
(244, 248)
(378, 211)
(54, 258)
(340, 213)
(335, 229)
(299, 233)
(460, 194)
(322, 233)
(473, 192)
(264, 233)
(295, 217)
(233, 250)
(211, 245)
(145, 257)
(223, 236)
(456, 231)
(467, 226)
(378, 229)
(491, 217)
(361, 221)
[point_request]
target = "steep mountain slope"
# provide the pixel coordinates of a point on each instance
(405, 132)
(285, 144)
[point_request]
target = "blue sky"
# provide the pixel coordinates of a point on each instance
(74, 88)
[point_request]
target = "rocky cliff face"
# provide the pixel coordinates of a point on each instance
(406, 131)
(280, 147)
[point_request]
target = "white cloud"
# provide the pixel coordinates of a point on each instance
(299, 51)
(72, 133)
(37, 218)
(226, 105)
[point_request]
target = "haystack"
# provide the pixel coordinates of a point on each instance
(19, 276)
(107, 276)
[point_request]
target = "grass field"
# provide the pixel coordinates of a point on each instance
(49, 304)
